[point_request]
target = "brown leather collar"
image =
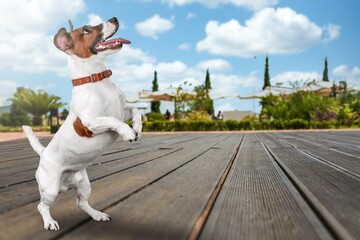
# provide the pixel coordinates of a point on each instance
(92, 78)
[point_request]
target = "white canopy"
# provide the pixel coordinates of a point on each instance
(266, 92)
(314, 86)
(163, 95)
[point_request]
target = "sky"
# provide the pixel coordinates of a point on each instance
(181, 39)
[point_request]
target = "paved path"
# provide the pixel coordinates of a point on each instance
(274, 185)
(10, 136)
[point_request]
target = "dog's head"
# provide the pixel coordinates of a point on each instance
(87, 41)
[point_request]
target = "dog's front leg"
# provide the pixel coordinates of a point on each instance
(102, 124)
(134, 115)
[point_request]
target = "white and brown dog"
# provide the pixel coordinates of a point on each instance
(97, 114)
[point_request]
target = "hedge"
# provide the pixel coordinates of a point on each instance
(233, 125)
(229, 125)
(19, 129)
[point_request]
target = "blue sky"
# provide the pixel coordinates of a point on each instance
(181, 39)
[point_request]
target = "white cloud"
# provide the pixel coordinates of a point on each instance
(26, 44)
(217, 65)
(333, 31)
(250, 4)
(94, 19)
(154, 26)
(190, 15)
(184, 46)
(129, 55)
(273, 31)
(224, 85)
(133, 70)
(7, 89)
(343, 73)
(36, 15)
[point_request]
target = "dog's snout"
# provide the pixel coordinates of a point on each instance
(113, 20)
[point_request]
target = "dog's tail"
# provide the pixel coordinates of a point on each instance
(34, 142)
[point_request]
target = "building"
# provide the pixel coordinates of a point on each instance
(236, 115)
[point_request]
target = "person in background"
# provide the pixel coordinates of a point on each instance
(167, 114)
(219, 116)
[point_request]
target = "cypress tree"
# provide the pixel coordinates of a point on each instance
(266, 74)
(208, 102)
(155, 106)
(207, 80)
(325, 73)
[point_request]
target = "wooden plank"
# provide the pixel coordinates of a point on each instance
(333, 141)
(340, 157)
(23, 170)
(169, 207)
(259, 202)
(19, 149)
(25, 222)
(332, 193)
(26, 192)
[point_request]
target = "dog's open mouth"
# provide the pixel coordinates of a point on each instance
(110, 44)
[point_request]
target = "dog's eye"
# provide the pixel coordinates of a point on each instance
(86, 30)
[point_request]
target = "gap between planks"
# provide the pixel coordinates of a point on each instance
(200, 222)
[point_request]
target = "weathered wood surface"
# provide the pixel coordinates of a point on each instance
(275, 185)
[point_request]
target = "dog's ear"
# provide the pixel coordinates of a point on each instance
(63, 40)
(71, 26)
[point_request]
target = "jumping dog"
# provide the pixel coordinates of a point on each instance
(97, 117)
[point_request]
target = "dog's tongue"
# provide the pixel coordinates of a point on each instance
(124, 41)
(112, 43)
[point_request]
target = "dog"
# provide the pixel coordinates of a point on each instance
(96, 118)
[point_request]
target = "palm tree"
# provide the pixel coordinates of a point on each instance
(36, 104)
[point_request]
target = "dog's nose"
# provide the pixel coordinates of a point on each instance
(113, 20)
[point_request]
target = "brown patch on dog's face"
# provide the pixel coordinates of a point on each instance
(89, 40)
(80, 42)
(84, 40)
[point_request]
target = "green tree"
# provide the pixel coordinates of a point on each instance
(180, 103)
(18, 116)
(64, 114)
(207, 80)
(36, 104)
(155, 106)
(346, 115)
(325, 73)
(5, 119)
(266, 74)
(308, 106)
(207, 101)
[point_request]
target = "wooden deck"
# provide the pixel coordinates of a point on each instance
(276, 185)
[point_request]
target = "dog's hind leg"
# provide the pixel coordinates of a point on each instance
(49, 185)
(83, 189)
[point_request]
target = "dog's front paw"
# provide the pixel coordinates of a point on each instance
(137, 127)
(126, 133)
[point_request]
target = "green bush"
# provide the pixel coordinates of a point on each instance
(232, 125)
(19, 129)
(5, 119)
(155, 116)
(298, 123)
